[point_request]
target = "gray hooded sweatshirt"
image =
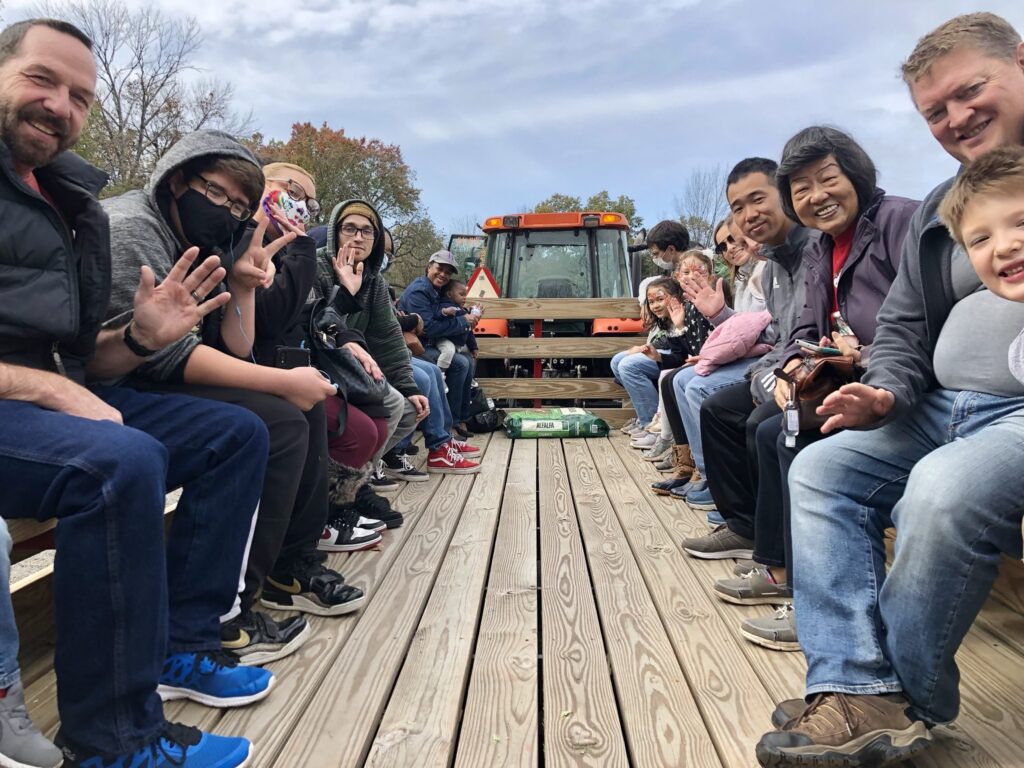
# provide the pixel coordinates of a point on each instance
(139, 234)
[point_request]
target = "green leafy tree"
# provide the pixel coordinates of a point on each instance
(602, 201)
(346, 167)
(559, 203)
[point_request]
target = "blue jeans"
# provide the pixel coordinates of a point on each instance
(639, 375)
(124, 597)
(9, 673)
(438, 423)
(460, 381)
(948, 476)
(691, 390)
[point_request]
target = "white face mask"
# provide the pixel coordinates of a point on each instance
(661, 262)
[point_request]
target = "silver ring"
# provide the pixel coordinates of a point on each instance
(195, 296)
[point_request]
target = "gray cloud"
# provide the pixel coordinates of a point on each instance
(498, 104)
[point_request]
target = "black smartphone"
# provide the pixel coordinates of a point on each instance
(291, 357)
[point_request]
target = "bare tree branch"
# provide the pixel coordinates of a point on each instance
(144, 104)
(703, 202)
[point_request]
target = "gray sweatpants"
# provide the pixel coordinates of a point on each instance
(401, 421)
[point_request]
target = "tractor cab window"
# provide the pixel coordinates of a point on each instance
(612, 263)
(551, 264)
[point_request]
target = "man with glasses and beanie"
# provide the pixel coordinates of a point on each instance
(204, 193)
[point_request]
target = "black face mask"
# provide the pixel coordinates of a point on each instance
(203, 223)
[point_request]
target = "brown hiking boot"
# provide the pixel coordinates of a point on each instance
(787, 712)
(837, 729)
(682, 466)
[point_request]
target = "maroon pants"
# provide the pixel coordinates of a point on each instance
(362, 437)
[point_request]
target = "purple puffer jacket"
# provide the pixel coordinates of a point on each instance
(865, 278)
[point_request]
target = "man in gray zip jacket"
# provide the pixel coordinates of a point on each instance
(932, 447)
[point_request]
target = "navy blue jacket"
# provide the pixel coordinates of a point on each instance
(422, 298)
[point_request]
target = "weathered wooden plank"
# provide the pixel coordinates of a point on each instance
(421, 720)
(662, 722)
(30, 570)
(581, 719)
(782, 674)
(299, 676)
(500, 721)
(559, 309)
(553, 388)
(734, 704)
(593, 346)
(345, 710)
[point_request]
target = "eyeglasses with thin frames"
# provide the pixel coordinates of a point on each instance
(297, 192)
(351, 230)
(216, 195)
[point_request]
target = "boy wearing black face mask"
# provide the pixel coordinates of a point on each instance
(203, 192)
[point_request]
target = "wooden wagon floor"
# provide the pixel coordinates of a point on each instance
(543, 613)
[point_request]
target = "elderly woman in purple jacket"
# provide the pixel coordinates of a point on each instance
(827, 182)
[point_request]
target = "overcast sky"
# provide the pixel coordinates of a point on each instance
(499, 104)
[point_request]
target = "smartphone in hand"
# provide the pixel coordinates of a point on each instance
(817, 349)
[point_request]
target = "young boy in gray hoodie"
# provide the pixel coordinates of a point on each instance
(203, 193)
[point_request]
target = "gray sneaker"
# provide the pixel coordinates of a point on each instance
(627, 428)
(743, 566)
(720, 544)
(755, 587)
(777, 631)
(659, 450)
(20, 742)
(667, 464)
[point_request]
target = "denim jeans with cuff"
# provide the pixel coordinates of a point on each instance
(950, 476)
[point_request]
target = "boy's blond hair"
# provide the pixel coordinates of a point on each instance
(272, 169)
(998, 172)
(984, 32)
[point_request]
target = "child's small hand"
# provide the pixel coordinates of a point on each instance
(450, 311)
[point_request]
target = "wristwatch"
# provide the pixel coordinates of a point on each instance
(133, 345)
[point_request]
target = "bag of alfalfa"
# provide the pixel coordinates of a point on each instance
(554, 422)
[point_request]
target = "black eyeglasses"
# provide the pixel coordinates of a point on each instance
(297, 192)
(722, 247)
(351, 230)
(216, 195)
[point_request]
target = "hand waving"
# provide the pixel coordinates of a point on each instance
(708, 301)
(348, 271)
(166, 312)
(677, 311)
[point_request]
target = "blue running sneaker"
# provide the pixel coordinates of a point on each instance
(214, 678)
(715, 518)
(177, 746)
(700, 499)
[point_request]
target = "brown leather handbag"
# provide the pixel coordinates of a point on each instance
(814, 380)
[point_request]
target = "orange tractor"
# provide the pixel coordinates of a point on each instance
(550, 256)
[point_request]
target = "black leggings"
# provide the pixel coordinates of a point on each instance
(671, 408)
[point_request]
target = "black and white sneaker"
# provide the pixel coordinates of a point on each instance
(340, 535)
(398, 467)
(411, 450)
(377, 507)
(309, 586)
(381, 482)
(254, 638)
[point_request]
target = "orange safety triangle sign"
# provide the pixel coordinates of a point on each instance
(482, 285)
